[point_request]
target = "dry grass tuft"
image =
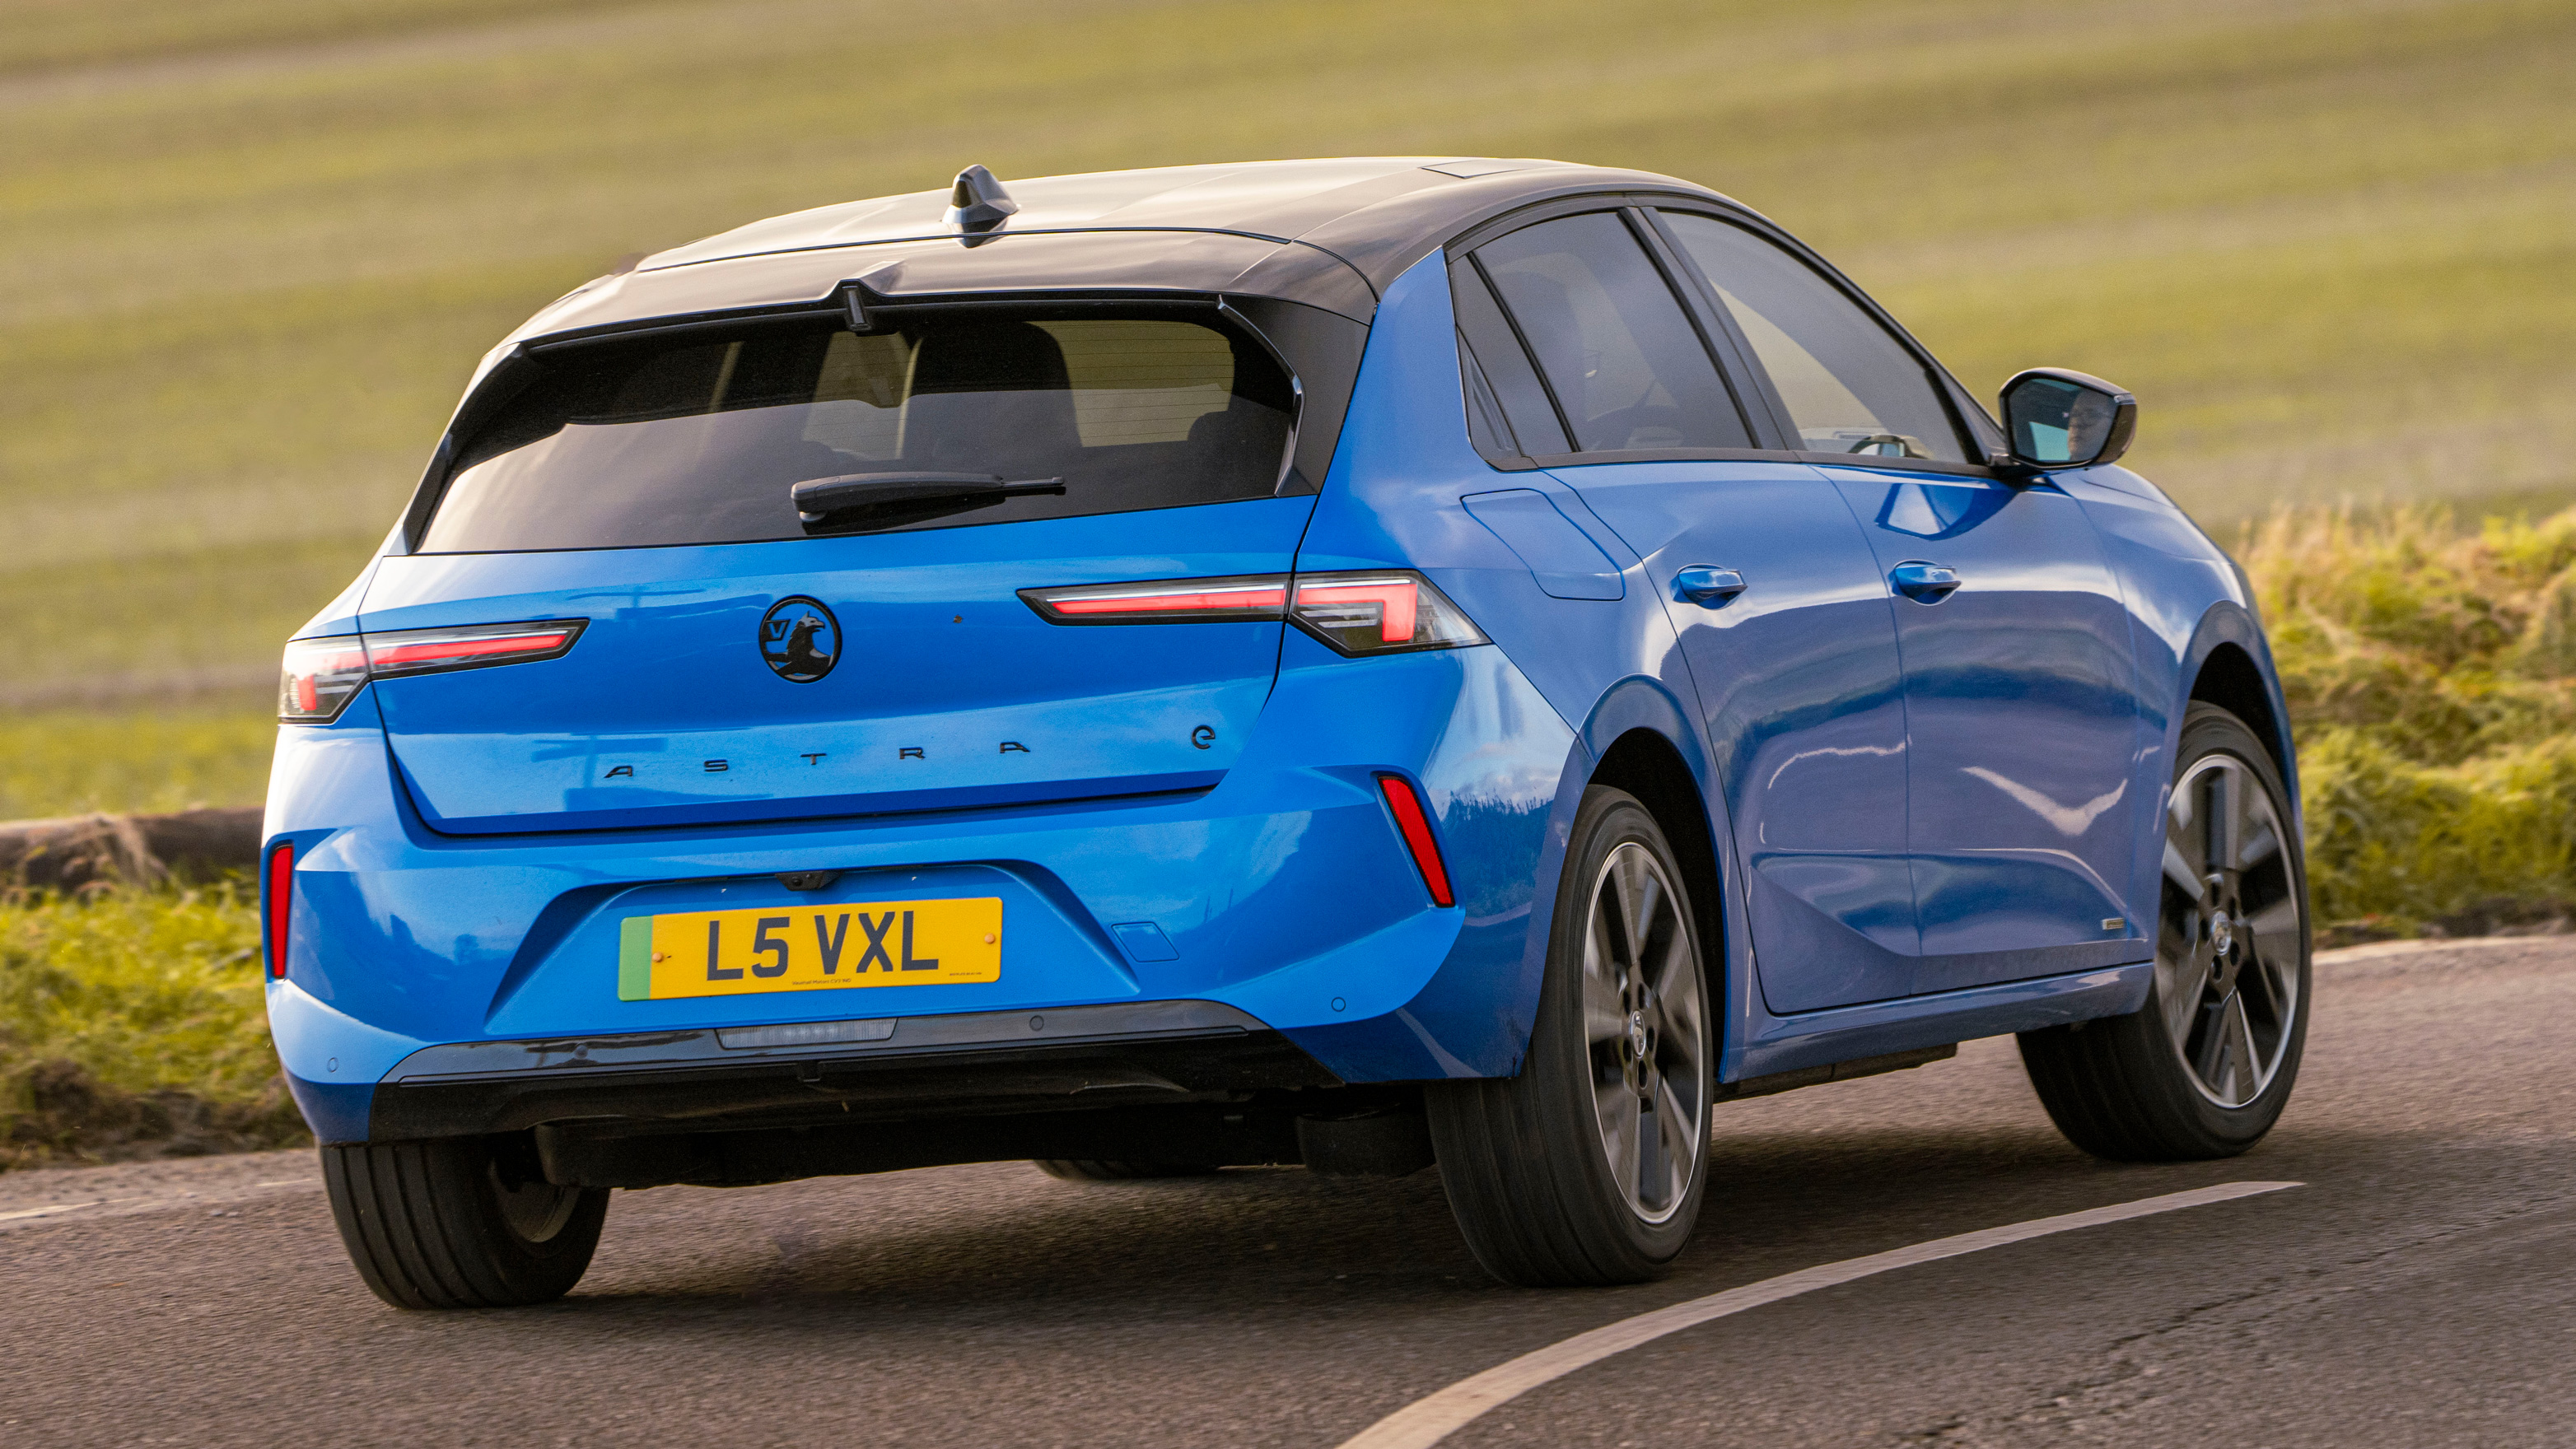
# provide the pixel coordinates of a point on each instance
(2431, 675)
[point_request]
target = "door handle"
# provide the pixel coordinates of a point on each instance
(1707, 586)
(1924, 583)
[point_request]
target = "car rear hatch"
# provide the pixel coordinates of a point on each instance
(794, 552)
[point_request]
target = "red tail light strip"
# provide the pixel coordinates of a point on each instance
(1374, 612)
(1259, 600)
(320, 676)
(1180, 601)
(442, 648)
(1415, 826)
(281, 896)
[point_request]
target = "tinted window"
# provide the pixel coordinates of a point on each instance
(1508, 411)
(1625, 366)
(1849, 386)
(697, 438)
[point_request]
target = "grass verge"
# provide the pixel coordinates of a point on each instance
(2431, 676)
(130, 1025)
(69, 761)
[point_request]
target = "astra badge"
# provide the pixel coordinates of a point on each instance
(799, 639)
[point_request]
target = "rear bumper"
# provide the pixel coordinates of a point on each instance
(1161, 1053)
(1282, 896)
(1168, 1082)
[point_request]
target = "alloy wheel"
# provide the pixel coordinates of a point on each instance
(2227, 950)
(1645, 1031)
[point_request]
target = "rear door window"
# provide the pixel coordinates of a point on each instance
(1627, 370)
(1508, 411)
(1848, 384)
(698, 437)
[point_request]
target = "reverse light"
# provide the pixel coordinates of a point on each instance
(280, 895)
(320, 675)
(1414, 824)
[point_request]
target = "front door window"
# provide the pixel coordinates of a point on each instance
(1849, 387)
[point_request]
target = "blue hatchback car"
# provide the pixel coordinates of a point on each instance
(1361, 663)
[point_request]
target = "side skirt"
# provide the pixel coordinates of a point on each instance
(1770, 1045)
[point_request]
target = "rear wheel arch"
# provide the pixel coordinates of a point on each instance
(1646, 764)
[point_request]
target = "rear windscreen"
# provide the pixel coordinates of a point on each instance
(698, 437)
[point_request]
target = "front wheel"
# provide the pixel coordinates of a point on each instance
(1589, 1166)
(2205, 1067)
(455, 1223)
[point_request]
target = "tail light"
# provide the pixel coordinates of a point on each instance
(1414, 824)
(1378, 612)
(280, 895)
(320, 675)
(1176, 601)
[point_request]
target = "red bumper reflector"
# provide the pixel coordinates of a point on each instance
(1415, 825)
(281, 895)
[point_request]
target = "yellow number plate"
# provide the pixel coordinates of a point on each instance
(810, 948)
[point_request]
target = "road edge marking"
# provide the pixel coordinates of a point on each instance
(1426, 1421)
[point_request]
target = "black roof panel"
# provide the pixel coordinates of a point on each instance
(1330, 233)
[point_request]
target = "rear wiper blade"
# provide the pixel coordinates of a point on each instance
(819, 498)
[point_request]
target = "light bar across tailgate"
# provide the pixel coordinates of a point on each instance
(1377, 611)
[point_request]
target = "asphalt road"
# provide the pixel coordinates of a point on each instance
(2419, 1289)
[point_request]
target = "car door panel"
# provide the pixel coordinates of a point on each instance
(1799, 684)
(1575, 327)
(2021, 723)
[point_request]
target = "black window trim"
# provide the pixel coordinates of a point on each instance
(1479, 391)
(1770, 422)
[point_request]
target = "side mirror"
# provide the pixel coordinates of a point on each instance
(2058, 418)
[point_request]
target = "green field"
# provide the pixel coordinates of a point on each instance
(252, 247)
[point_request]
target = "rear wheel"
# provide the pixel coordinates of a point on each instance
(453, 1223)
(2205, 1067)
(1089, 1169)
(1589, 1167)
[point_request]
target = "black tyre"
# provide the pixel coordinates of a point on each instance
(1589, 1167)
(2204, 1068)
(454, 1224)
(1087, 1169)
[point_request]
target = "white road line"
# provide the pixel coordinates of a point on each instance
(51, 1207)
(192, 1197)
(1427, 1421)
